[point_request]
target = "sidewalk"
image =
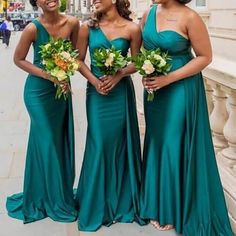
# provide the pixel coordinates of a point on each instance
(14, 124)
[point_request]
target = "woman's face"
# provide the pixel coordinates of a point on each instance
(102, 5)
(48, 5)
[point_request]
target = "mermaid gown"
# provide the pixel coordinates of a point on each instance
(49, 171)
(109, 183)
(181, 184)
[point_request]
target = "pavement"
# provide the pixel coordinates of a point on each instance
(14, 128)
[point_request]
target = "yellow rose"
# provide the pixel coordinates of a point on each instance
(148, 67)
(59, 74)
(75, 66)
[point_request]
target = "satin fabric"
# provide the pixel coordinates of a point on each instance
(109, 183)
(49, 170)
(181, 184)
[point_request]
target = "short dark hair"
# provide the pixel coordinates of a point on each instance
(33, 3)
(184, 1)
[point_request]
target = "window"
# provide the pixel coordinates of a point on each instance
(200, 3)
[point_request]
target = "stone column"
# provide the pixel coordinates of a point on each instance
(229, 153)
(209, 92)
(218, 116)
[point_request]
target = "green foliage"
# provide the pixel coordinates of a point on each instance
(151, 63)
(63, 5)
(59, 60)
(109, 61)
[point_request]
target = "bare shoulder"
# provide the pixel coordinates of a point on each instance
(145, 14)
(191, 16)
(133, 27)
(72, 20)
(30, 31)
(85, 26)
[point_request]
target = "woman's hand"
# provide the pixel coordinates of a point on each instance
(109, 82)
(155, 83)
(98, 85)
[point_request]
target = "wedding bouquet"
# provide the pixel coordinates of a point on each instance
(150, 63)
(109, 61)
(60, 61)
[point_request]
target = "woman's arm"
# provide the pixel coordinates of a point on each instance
(75, 29)
(82, 46)
(28, 36)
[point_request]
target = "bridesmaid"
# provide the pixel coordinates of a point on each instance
(181, 187)
(49, 171)
(108, 189)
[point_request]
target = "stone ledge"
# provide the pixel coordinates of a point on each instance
(222, 71)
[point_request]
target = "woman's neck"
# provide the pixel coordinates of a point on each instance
(171, 4)
(51, 17)
(111, 16)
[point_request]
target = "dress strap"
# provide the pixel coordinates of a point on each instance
(36, 23)
(151, 15)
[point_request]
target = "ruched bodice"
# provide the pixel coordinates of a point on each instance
(95, 36)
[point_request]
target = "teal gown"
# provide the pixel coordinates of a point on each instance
(180, 179)
(109, 183)
(49, 171)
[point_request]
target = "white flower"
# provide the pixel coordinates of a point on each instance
(148, 67)
(47, 46)
(109, 60)
(59, 74)
(159, 58)
(65, 55)
(112, 55)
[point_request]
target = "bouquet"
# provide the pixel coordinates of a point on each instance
(150, 63)
(60, 61)
(109, 61)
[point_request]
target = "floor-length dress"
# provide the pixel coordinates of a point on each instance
(49, 171)
(181, 184)
(109, 183)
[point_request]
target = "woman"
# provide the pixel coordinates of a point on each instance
(49, 171)
(108, 189)
(181, 187)
(7, 31)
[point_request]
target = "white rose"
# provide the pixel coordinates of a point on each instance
(109, 61)
(65, 55)
(148, 67)
(159, 58)
(112, 55)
